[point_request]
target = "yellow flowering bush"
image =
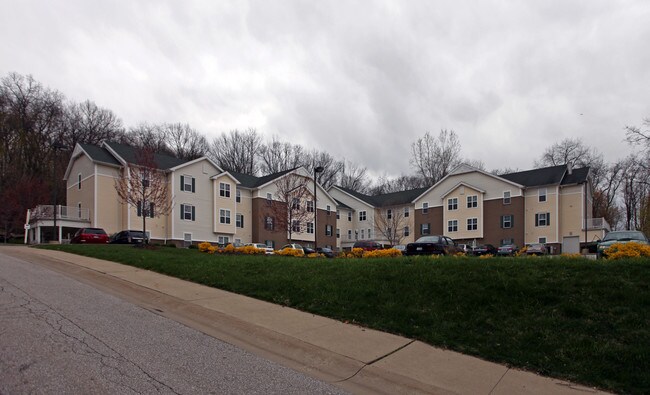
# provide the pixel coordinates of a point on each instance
(486, 256)
(315, 255)
(356, 253)
(627, 250)
(211, 250)
(521, 252)
(203, 247)
(249, 250)
(571, 256)
(290, 252)
(388, 253)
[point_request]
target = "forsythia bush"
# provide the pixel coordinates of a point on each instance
(315, 255)
(230, 249)
(290, 252)
(389, 253)
(250, 250)
(203, 247)
(486, 256)
(627, 250)
(571, 256)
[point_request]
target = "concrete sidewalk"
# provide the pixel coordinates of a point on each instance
(357, 359)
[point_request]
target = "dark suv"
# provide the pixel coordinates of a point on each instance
(128, 237)
(367, 245)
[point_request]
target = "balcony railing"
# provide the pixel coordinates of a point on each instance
(46, 212)
(597, 224)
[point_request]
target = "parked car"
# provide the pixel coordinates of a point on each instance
(90, 236)
(308, 250)
(128, 237)
(536, 249)
(432, 245)
(326, 251)
(620, 236)
(507, 250)
(367, 245)
(484, 249)
(293, 246)
(267, 250)
(400, 247)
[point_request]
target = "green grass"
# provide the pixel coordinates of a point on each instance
(580, 320)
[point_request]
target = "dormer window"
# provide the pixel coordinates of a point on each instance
(224, 189)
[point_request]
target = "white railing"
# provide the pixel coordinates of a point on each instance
(597, 224)
(45, 212)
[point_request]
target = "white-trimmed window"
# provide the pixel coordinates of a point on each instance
(472, 223)
(452, 225)
(356, 234)
(543, 219)
(507, 241)
(295, 225)
(223, 239)
(338, 214)
(310, 206)
(506, 221)
(542, 194)
(188, 212)
(369, 233)
(425, 208)
(349, 216)
(224, 216)
(406, 212)
(310, 227)
(362, 215)
(472, 201)
(389, 214)
(329, 210)
(328, 230)
(363, 234)
(238, 196)
(338, 233)
(406, 231)
(425, 229)
(295, 204)
(349, 234)
(187, 239)
(79, 181)
(224, 189)
(268, 223)
(542, 240)
(506, 197)
(148, 209)
(239, 220)
(188, 184)
(452, 204)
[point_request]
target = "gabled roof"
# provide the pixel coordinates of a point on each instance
(99, 154)
(342, 205)
(554, 175)
(387, 199)
(248, 181)
(130, 155)
(464, 184)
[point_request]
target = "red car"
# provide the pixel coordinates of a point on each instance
(90, 236)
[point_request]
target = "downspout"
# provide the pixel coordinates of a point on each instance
(585, 212)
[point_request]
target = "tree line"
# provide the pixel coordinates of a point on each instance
(39, 128)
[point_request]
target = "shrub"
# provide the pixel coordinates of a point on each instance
(356, 253)
(486, 256)
(315, 255)
(290, 252)
(388, 253)
(572, 256)
(627, 250)
(250, 250)
(203, 247)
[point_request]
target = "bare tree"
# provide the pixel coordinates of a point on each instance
(290, 208)
(143, 186)
(237, 151)
(354, 177)
(87, 123)
(605, 196)
(390, 223)
(636, 135)
(569, 151)
(277, 156)
(148, 137)
(434, 157)
(185, 142)
(402, 183)
(331, 167)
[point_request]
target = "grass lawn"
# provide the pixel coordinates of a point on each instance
(580, 320)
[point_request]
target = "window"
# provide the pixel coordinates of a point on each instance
(310, 206)
(542, 240)
(389, 214)
(362, 215)
(507, 241)
(425, 229)
(79, 181)
(349, 234)
(452, 225)
(148, 209)
(362, 234)
(542, 194)
(268, 223)
(238, 196)
(356, 234)
(472, 201)
(406, 231)
(187, 239)
(187, 184)
(224, 190)
(328, 230)
(310, 227)
(295, 204)
(329, 210)
(188, 212)
(406, 212)
(338, 233)
(350, 216)
(452, 204)
(425, 208)
(472, 223)
(239, 220)
(369, 234)
(295, 225)
(506, 221)
(269, 198)
(338, 214)
(224, 216)
(506, 197)
(79, 210)
(543, 219)
(224, 240)
(269, 243)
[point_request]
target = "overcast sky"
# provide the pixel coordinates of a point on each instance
(359, 79)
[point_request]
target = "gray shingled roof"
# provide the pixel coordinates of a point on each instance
(248, 181)
(342, 205)
(130, 155)
(548, 176)
(99, 154)
(387, 199)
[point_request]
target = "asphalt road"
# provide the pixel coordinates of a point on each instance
(60, 336)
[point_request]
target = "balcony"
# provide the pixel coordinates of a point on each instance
(597, 224)
(46, 212)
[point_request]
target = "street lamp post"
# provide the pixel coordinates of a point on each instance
(317, 170)
(56, 146)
